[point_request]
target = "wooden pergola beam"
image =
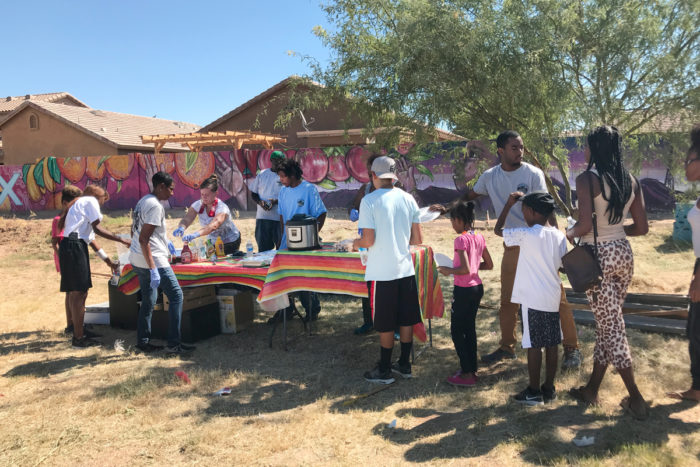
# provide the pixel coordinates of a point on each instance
(195, 141)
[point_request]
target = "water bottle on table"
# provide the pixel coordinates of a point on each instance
(249, 248)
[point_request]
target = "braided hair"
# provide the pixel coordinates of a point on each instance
(605, 144)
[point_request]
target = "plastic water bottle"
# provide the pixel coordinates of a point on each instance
(363, 256)
(249, 248)
(116, 275)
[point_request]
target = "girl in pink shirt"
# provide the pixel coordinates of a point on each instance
(469, 251)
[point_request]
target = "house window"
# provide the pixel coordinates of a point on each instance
(33, 122)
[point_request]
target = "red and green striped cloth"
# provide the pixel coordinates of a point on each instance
(328, 271)
(205, 273)
(323, 271)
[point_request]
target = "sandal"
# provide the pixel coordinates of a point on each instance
(640, 415)
(578, 394)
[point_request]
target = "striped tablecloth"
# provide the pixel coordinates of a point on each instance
(227, 271)
(323, 271)
(328, 271)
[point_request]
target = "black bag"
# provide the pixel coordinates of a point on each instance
(581, 263)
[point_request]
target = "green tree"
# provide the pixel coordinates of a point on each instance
(546, 68)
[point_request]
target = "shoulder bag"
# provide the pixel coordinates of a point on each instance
(581, 262)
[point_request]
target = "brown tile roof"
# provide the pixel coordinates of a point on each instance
(263, 95)
(10, 103)
(446, 135)
(122, 130)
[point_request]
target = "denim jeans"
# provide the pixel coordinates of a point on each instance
(171, 288)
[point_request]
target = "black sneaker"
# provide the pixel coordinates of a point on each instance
(403, 370)
(90, 334)
(84, 342)
(149, 348)
(364, 329)
(548, 394)
(180, 349)
(572, 360)
(529, 397)
(68, 331)
(497, 356)
(379, 376)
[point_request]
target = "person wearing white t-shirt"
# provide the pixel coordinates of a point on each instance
(389, 219)
(692, 173)
(214, 218)
(79, 222)
(149, 257)
(537, 288)
(512, 174)
(265, 191)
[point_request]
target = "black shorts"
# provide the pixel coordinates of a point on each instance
(396, 304)
(75, 264)
(232, 247)
(540, 328)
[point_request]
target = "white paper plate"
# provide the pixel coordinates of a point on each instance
(426, 215)
(442, 260)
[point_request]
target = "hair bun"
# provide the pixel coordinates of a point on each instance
(695, 136)
(214, 177)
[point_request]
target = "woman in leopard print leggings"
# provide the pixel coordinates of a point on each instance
(615, 194)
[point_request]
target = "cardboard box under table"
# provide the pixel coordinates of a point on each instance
(200, 315)
(236, 309)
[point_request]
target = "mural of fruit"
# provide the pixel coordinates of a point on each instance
(95, 169)
(5, 206)
(404, 148)
(264, 161)
(193, 168)
(28, 176)
(119, 167)
(337, 171)
(247, 161)
(72, 168)
(356, 162)
(164, 162)
(314, 164)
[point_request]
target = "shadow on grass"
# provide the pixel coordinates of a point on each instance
(673, 246)
(59, 365)
(28, 342)
(476, 431)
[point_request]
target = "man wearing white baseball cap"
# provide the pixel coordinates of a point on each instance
(389, 219)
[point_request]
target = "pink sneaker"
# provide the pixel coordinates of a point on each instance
(460, 380)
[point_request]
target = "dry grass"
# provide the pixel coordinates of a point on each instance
(100, 407)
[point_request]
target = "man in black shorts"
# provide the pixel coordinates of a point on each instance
(389, 220)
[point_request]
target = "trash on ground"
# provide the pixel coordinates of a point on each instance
(584, 441)
(183, 376)
(222, 392)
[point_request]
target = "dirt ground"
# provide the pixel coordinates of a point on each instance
(306, 406)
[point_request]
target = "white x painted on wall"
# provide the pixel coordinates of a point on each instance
(7, 189)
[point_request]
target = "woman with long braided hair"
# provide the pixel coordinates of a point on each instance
(615, 193)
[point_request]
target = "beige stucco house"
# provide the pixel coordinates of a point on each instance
(37, 129)
(322, 128)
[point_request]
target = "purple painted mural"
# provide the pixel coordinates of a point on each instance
(435, 173)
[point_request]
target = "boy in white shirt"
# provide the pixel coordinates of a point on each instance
(389, 220)
(537, 288)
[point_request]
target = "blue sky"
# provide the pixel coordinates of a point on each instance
(188, 61)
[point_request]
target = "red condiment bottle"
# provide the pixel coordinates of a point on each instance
(186, 254)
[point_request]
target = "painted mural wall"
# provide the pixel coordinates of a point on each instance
(438, 173)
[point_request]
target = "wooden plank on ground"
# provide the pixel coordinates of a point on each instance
(643, 323)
